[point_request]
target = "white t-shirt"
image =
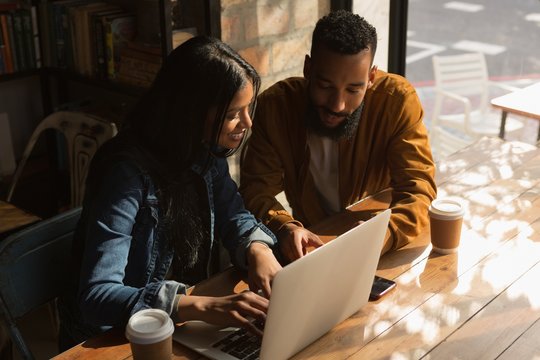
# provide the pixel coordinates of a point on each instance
(324, 169)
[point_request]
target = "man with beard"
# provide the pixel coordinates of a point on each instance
(344, 131)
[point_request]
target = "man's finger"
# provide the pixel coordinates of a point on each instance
(298, 250)
(316, 241)
(266, 289)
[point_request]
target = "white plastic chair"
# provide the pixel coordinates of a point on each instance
(84, 133)
(462, 95)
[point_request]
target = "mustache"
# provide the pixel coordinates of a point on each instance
(345, 129)
(339, 114)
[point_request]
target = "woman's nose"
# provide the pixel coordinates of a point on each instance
(245, 120)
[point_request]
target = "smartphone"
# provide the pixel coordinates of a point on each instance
(380, 287)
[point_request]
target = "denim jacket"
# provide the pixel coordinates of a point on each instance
(126, 259)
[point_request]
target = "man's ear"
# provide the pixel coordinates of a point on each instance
(372, 73)
(307, 66)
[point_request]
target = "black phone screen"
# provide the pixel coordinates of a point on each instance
(380, 287)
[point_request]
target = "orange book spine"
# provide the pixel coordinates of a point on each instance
(8, 61)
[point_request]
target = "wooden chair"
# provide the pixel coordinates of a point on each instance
(34, 269)
(462, 95)
(83, 133)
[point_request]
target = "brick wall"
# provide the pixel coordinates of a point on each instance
(272, 35)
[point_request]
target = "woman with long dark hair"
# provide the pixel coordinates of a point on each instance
(159, 196)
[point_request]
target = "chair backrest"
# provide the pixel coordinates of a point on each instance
(34, 266)
(83, 133)
(464, 74)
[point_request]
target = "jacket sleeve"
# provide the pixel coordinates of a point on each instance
(237, 227)
(262, 171)
(412, 171)
(112, 213)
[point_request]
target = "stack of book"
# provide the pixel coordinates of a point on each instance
(85, 36)
(96, 39)
(139, 64)
(93, 38)
(19, 38)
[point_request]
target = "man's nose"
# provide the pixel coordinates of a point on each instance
(336, 102)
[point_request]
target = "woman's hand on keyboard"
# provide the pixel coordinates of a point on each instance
(233, 310)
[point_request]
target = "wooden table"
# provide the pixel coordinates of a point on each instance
(482, 302)
(13, 218)
(525, 102)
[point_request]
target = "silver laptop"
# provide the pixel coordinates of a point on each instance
(309, 297)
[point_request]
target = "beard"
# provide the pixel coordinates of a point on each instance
(346, 129)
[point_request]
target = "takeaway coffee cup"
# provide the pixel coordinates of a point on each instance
(150, 335)
(446, 218)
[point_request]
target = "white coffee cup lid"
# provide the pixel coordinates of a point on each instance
(149, 326)
(446, 209)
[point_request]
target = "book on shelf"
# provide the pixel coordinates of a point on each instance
(2, 56)
(7, 46)
(20, 58)
(28, 39)
(97, 35)
(10, 5)
(59, 30)
(80, 41)
(15, 33)
(89, 37)
(139, 64)
(119, 30)
(44, 40)
(19, 51)
(35, 37)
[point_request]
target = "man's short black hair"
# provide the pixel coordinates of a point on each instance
(345, 33)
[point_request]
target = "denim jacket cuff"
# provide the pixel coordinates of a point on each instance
(166, 295)
(259, 235)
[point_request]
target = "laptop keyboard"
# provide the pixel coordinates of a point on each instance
(241, 344)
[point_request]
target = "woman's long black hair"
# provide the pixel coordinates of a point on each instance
(201, 74)
(169, 123)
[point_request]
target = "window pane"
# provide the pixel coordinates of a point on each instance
(507, 33)
(377, 14)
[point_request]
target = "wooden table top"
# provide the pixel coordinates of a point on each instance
(524, 101)
(12, 218)
(481, 302)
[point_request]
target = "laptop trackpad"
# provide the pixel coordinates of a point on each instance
(199, 336)
(195, 332)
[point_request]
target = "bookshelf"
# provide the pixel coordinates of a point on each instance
(59, 77)
(60, 85)
(65, 55)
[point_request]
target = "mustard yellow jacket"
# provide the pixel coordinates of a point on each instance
(390, 149)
